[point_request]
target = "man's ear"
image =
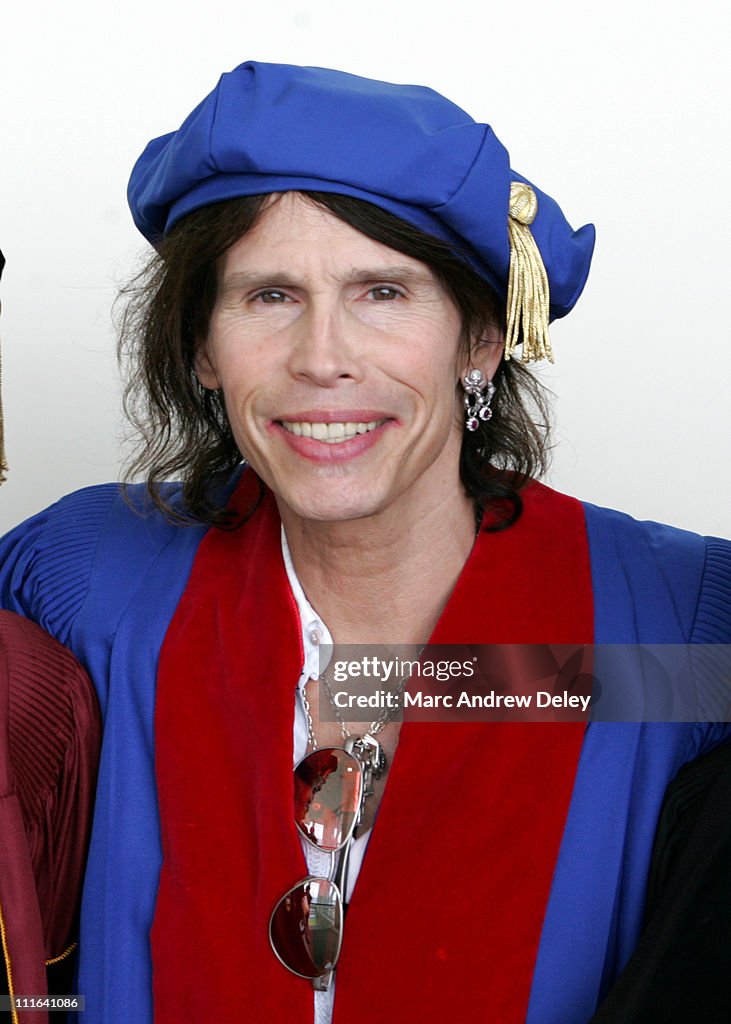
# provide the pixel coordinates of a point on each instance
(486, 351)
(204, 368)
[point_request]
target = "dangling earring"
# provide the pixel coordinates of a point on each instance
(478, 394)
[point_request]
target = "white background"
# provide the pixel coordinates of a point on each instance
(618, 110)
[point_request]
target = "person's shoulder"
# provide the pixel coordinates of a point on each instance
(667, 545)
(622, 523)
(129, 501)
(692, 572)
(46, 680)
(100, 537)
(653, 582)
(80, 516)
(619, 528)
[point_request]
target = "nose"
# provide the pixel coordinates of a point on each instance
(323, 347)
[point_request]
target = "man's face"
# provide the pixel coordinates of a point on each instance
(338, 359)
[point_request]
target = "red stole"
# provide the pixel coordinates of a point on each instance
(447, 911)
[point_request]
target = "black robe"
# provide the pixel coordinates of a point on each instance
(681, 970)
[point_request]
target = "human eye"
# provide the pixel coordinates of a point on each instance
(270, 295)
(385, 293)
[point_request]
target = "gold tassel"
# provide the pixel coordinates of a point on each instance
(528, 293)
(3, 460)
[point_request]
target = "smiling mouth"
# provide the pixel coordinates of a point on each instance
(330, 433)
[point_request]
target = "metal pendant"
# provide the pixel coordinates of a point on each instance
(372, 759)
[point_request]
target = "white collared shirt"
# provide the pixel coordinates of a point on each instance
(314, 635)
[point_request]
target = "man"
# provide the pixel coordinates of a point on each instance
(344, 268)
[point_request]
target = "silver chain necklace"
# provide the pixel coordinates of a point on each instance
(365, 747)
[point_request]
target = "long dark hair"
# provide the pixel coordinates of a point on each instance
(183, 427)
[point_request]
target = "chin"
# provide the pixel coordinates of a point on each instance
(330, 506)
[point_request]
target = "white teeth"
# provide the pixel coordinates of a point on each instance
(331, 433)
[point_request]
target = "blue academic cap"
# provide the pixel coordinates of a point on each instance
(405, 148)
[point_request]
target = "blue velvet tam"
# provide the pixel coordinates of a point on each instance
(405, 148)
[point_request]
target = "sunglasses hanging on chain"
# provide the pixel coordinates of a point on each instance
(331, 786)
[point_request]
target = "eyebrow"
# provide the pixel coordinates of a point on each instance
(361, 275)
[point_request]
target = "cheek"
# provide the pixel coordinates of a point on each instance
(240, 423)
(238, 401)
(239, 366)
(236, 381)
(437, 376)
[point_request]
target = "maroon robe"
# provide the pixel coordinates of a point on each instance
(49, 749)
